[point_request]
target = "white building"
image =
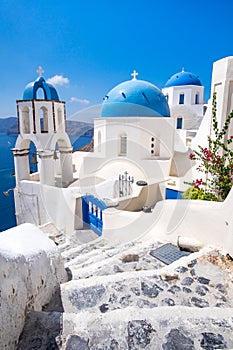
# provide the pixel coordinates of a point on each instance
(41, 120)
(134, 145)
(138, 154)
(185, 96)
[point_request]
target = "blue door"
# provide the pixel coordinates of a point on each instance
(92, 213)
(173, 194)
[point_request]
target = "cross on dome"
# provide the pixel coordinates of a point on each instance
(134, 75)
(40, 71)
(182, 70)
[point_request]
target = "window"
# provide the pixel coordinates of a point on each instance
(40, 94)
(181, 99)
(167, 97)
(197, 99)
(179, 123)
(59, 119)
(43, 119)
(123, 145)
(25, 121)
(99, 141)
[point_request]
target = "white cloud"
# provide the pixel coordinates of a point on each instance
(58, 80)
(84, 101)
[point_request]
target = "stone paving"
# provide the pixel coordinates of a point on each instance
(196, 284)
(143, 329)
(122, 298)
(114, 260)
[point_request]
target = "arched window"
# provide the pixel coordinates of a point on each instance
(25, 121)
(197, 99)
(99, 141)
(181, 99)
(59, 119)
(43, 119)
(123, 145)
(40, 94)
(33, 160)
(167, 97)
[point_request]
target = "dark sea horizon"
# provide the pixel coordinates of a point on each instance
(7, 209)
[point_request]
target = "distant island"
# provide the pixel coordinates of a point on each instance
(9, 126)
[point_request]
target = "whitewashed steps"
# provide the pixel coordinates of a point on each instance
(176, 328)
(123, 259)
(194, 283)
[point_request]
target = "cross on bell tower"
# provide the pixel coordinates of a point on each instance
(40, 71)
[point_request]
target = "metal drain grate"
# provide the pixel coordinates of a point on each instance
(168, 253)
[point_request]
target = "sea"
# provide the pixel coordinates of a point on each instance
(7, 178)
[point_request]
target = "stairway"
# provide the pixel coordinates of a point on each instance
(120, 297)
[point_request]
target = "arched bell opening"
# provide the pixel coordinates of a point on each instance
(26, 160)
(40, 94)
(57, 166)
(25, 120)
(33, 158)
(44, 126)
(60, 120)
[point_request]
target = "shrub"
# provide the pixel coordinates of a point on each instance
(215, 163)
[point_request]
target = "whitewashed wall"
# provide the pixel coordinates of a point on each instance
(30, 272)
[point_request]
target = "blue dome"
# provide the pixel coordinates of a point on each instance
(30, 90)
(135, 98)
(183, 78)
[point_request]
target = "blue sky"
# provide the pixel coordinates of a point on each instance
(87, 47)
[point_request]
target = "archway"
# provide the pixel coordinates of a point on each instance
(43, 120)
(25, 120)
(33, 158)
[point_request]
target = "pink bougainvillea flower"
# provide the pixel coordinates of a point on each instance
(191, 156)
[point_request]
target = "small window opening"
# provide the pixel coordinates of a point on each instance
(181, 99)
(179, 123)
(144, 95)
(99, 141)
(123, 145)
(197, 99)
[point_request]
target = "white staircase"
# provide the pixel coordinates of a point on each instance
(120, 297)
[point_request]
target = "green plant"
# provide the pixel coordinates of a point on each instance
(199, 193)
(215, 163)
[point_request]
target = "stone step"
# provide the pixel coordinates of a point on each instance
(42, 330)
(200, 280)
(75, 257)
(100, 254)
(177, 328)
(124, 259)
(86, 257)
(81, 241)
(72, 250)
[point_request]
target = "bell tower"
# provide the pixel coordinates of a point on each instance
(41, 120)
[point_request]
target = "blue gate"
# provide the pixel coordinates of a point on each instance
(92, 213)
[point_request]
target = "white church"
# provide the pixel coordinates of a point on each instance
(118, 294)
(142, 141)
